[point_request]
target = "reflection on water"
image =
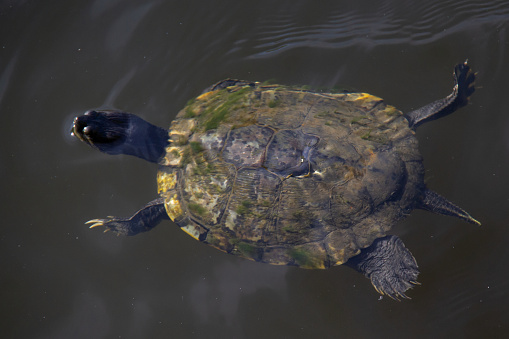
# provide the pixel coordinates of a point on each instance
(79, 318)
(62, 280)
(219, 296)
(386, 23)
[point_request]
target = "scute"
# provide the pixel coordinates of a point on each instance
(246, 145)
(288, 176)
(292, 108)
(289, 153)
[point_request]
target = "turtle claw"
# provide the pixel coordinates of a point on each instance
(395, 287)
(142, 221)
(116, 225)
(96, 222)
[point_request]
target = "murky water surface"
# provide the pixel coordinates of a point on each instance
(59, 58)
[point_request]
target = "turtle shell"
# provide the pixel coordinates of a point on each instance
(289, 176)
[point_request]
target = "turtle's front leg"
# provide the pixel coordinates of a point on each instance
(389, 265)
(144, 220)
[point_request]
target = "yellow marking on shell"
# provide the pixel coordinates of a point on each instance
(340, 254)
(165, 181)
(205, 193)
(321, 266)
(173, 207)
(364, 97)
(204, 96)
(317, 263)
(172, 157)
(192, 231)
(182, 127)
(390, 110)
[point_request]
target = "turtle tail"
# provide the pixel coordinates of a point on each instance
(436, 203)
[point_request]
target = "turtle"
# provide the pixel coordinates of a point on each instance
(286, 175)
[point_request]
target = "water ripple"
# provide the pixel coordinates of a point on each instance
(410, 23)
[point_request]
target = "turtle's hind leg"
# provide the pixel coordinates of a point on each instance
(389, 265)
(464, 80)
(144, 220)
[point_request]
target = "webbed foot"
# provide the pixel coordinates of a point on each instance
(464, 87)
(118, 226)
(389, 265)
(144, 220)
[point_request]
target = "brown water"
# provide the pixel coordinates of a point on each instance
(59, 58)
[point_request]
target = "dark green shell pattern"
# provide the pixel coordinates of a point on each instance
(288, 176)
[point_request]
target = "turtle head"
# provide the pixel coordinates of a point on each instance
(105, 130)
(117, 132)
